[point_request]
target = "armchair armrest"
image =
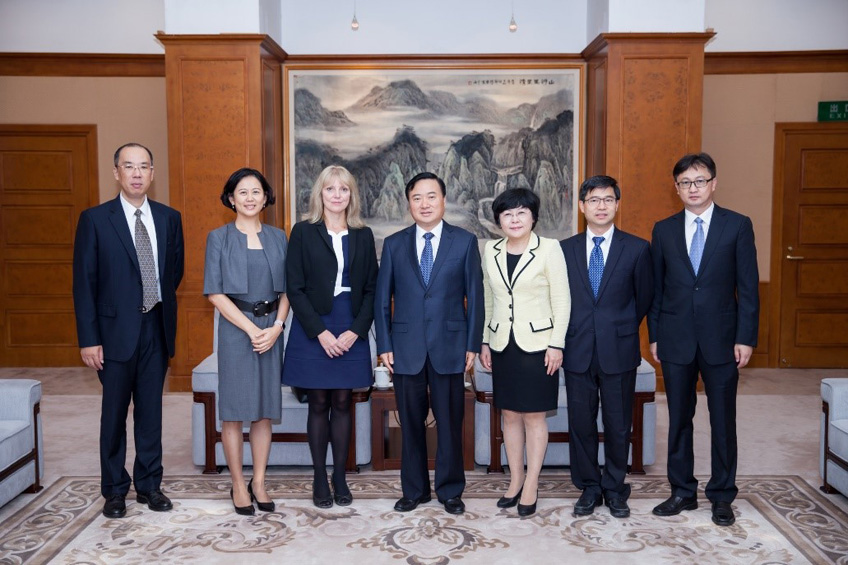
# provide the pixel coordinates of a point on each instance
(834, 391)
(17, 398)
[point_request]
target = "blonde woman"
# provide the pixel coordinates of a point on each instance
(331, 273)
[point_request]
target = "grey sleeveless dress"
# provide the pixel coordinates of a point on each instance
(249, 383)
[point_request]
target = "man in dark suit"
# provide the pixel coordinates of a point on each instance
(703, 320)
(432, 271)
(611, 291)
(128, 262)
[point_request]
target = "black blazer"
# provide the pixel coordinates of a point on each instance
(715, 310)
(612, 322)
(108, 292)
(311, 269)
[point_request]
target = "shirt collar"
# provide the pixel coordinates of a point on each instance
(436, 231)
(129, 209)
(606, 235)
(706, 215)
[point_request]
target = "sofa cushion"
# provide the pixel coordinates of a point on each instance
(16, 437)
(838, 438)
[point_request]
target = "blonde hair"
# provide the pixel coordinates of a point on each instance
(353, 214)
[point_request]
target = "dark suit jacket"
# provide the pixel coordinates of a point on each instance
(311, 269)
(716, 309)
(612, 322)
(434, 319)
(107, 280)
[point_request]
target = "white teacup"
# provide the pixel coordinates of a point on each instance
(381, 377)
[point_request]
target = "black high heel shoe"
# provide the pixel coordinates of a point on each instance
(504, 502)
(243, 510)
(321, 501)
(528, 509)
(263, 506)
(342, 497)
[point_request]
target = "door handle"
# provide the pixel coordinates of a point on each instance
(794, 257)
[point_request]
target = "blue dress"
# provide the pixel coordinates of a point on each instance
(306, 364)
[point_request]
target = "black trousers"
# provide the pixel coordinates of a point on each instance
(447, 397)
(141, 380)
(615, 392)
(720, 383)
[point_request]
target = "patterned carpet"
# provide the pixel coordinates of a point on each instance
(780, 519)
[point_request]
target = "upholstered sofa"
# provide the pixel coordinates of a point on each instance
(488, 433)
(833, 462)
(21, 462)
(289, 446)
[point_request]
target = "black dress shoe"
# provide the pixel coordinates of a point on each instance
(322, 500)
(527, 509)
(618, 507)
(454, 505)
(115, 506)
(342, 494)
(263, 506)
(409, 504)
(154, 500)
(243, 510)
(587, 503)
(723, 514)
(504, 502)
(675, 505)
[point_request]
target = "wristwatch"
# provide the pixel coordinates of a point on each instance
(280, 323)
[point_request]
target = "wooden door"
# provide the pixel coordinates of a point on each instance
(48, 175)
(812, 259)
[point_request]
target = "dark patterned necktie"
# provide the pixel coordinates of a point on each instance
(596, 265)
(144, 250)
(427, 258)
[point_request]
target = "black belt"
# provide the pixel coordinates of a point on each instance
(261, 308)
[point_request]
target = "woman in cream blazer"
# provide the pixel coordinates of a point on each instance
(528, 304)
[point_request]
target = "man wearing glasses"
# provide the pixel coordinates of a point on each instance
(703, 320)
(128, 262)
(611, 291)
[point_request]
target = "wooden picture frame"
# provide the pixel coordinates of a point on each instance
(483, 125)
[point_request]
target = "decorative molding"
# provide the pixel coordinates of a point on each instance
(81, 65)
(749, 63)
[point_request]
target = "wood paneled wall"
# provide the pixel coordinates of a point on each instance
(224, 95)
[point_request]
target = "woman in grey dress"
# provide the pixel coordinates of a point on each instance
(245, 279)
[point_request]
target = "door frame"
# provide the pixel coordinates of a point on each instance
(781, 131)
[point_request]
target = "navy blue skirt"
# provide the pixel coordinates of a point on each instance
(306, 364)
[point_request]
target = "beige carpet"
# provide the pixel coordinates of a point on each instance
(781, 519)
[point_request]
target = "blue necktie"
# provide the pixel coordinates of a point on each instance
(596, 265)
(696, 250)
(427, 258)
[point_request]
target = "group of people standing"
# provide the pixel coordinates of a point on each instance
(528, 306)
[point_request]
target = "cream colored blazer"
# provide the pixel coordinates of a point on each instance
(535, 304)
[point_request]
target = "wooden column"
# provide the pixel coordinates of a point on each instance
(224, 97)
(644, 112)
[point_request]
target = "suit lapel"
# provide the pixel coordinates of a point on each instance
(323, 234)
(578, 248)
(500, 261)
(526, 258)
(413, 254)
(161, 238)
(616, 247)
(352, 237)
(717, 224)
(119, 222)
(444, 249)
(680, 240)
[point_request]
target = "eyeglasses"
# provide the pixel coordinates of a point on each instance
(594, 201)
(687, 184)
(143, 168)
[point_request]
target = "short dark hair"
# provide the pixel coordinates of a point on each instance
(132, 144)
(599, 181)
(694, 160)
(425, 176)
(516, 198)
(237, 177)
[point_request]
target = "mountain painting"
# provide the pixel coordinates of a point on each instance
(482, 131)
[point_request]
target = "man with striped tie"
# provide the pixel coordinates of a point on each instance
(611, 281)
(128, 262)
(703, 320)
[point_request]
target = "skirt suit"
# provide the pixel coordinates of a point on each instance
(331, 282)
(528, 304)
(248, 383)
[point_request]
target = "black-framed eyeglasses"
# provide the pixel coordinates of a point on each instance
(699, 183)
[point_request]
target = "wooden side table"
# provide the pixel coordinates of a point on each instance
(386, 443)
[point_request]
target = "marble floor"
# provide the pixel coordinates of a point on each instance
(778, 427)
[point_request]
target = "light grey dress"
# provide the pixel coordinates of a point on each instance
(249, 383)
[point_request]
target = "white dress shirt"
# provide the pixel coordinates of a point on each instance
(147, 220)
(338, 249)
(690, 227)
(419, 240)
(605, 244)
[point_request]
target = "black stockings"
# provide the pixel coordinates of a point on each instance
(329, 421)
